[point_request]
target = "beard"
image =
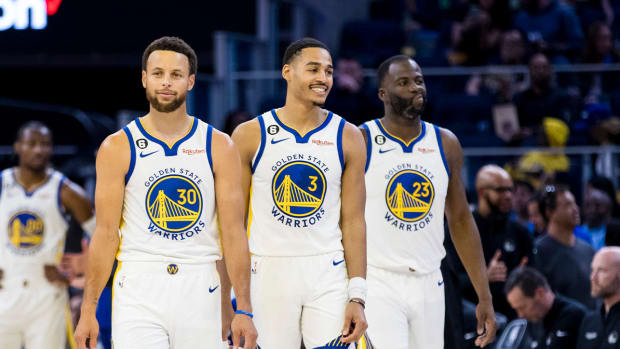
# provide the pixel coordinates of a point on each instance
(496, 211)
(607, 291)
(407, 107)
(168, 107)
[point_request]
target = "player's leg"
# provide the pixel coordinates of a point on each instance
(323, 311)
(386, 310)
(194, 308)
(137, 317)
(276, 300)
(426, 324)
(48, 318)
(11, 317)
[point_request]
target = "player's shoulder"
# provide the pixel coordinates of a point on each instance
(115, 141)
(449, 140)
(248, 129)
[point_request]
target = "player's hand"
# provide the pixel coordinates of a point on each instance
(227, 316)
(354, 323)
(74, 264)
(486, 323)
(87, 328)
(53, 275)
(496, 271)
(242, 325)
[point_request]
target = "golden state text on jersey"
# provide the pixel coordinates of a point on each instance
(295, 194)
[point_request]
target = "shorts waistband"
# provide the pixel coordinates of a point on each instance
(165, 267)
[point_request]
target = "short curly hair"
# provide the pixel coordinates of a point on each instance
(172, 43)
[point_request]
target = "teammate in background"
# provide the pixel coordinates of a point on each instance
(303, 172)
(159, 181)
(34, 200)
(413, 172)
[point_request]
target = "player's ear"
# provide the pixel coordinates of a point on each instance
(192, 81)
(381, 94)
(144, 78)
(286, 72)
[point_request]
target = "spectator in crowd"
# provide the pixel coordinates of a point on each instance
(235, 118)
(474, 41)
(544, 165)
(599, 229)
(600, 329)
(523, 193)
(536, 220)
(542, 98)
(506, 244)
(552, 27)
(599, 50)
(606, 185)
(560, 256)
(553, 320)
(351, 97)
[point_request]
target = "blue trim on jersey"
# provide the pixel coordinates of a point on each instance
(368, 146)
(168, 151)
(339, 143)
(298, 137)
(443, 156)
(132, 162)
(407, 147)
(263, 140)
(62, 181)
(209, 140)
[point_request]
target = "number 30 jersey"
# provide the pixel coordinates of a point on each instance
(406, 187)
(169, 205)
(295, 194)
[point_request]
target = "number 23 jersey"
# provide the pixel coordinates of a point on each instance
(406, 187)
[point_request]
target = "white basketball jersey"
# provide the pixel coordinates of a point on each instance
(295, 194)
(169, 205)
(33, 226)
(406, 187)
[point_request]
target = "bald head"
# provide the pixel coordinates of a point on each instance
(605, 276)
(494, 187)
(491, 175)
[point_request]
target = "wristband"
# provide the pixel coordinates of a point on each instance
(357, 288)
(355, 300)
(244, 313)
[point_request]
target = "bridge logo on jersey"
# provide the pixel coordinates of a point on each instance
(174, 203)
(26, 231)
(409, 195)
(299, 189)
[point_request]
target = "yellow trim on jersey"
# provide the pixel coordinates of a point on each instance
(118, 267)
(69, 327)
(172, 144)
(249, 213)
(400, 139)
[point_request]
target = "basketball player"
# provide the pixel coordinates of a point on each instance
(33, 203)
(159, 181)
(306, 224)
(412, 173)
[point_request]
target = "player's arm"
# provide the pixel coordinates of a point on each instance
(466, 238)
(112, 165)
(75, 201)
(353, 226)
(247, 140)
(229, 197)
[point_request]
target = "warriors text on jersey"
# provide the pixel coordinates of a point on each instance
(33, 226)
(169, 204)
(295, 193)
(406, 187)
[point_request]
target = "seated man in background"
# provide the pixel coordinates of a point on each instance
(559, 255)
(598, 229)
(506, 244)
(600, 328)
(553, 320)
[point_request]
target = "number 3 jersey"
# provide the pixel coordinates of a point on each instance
(169, 205)
(295, 194)
(406, 187)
